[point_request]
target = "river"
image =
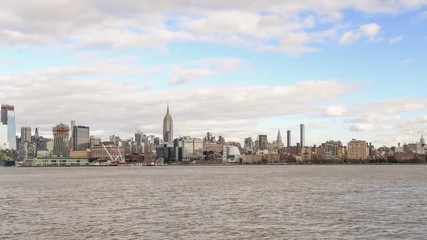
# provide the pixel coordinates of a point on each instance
(215, 202)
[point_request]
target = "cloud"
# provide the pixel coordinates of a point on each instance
(348, 37)
(181, 76)
(387, 121)
(120, 107)
(293, 27)
(369, 31)
(395, 40)
(335, 110)
(356, 127)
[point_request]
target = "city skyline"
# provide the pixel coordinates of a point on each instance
(345, 70)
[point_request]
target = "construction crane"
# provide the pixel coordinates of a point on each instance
(115, 160)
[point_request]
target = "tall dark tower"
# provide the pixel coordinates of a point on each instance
(302, 135)
(167, 127)
(288, 138)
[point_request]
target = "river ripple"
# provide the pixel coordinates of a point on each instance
(215, 202)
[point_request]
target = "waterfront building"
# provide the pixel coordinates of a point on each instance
(231, 154)
(188, 149)
(166, 153)
(330, 152)
(192, 148)
(80, 138)
(61, 135)
(288, 136)
(56, 162)
(101, 153)
(167, 127)
(416, 148)
(4, 141)
(27, 150)
(8, 118)
(263, 142)
(25, 134)
(267, 158)
(213, 147)
(302, 135)
(358, 150)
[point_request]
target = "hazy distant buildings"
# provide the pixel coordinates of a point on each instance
(25, 134)
(288, 138)
(8, 118)
(61, 133)
(302, 135)
(263, 142)
(248, 145)
(81, 138)
(94, 141)
(167, 127)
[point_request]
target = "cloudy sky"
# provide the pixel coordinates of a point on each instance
(346, 69)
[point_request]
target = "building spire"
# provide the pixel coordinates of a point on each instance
(279, 138)
(167, 111)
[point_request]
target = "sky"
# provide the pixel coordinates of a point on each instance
(346, 69)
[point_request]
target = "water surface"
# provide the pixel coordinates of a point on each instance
(215, 202)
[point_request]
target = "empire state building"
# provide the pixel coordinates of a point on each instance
(168, 127)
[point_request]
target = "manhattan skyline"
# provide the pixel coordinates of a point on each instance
(353, 69)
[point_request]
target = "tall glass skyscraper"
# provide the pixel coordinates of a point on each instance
(8, 118)
(80, 137)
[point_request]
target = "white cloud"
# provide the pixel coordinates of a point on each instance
(180, 76)
(348, 37)
(369, 31)
(288, 27)
(361, 127)
(395, 40)
(117, 107)
(335, 110)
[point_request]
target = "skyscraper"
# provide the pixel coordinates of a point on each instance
(8, 118)
(302, 135)
(279, 139)
(61, 134)
(167, 127)
(263, 142)
(25, 134)
(81, 139)
(288, 134)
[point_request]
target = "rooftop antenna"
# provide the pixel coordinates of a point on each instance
(167, 111)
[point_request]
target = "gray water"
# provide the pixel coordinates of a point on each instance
(215, 202)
